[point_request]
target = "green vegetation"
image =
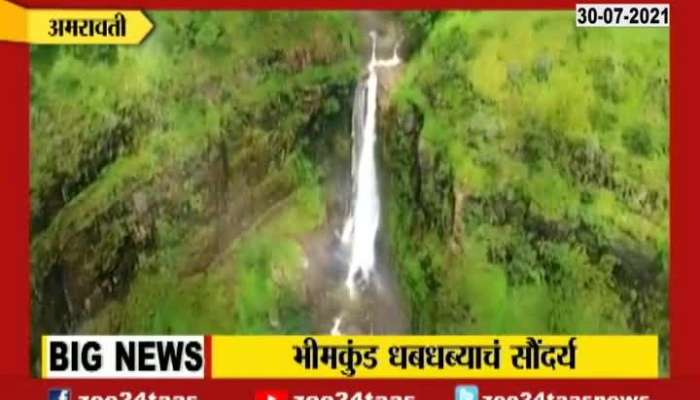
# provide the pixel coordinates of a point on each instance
(253, 287)
(174, 184)
(171, 182)
(529, 176)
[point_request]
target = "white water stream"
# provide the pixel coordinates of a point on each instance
(360, 230)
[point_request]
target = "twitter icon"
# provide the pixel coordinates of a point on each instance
(466, 392)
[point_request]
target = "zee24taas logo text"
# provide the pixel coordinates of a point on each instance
(471, 392)
(65, 394)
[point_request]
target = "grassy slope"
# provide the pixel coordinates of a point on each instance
(555, 139)
(254, 286)
(206, 126)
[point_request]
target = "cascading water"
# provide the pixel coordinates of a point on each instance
(360, 230)
(364, 297)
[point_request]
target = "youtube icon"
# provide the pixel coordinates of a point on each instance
(271, 395)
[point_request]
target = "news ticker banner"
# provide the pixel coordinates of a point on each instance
(221, 357)
(72, 26)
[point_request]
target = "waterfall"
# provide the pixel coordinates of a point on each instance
(360, 230)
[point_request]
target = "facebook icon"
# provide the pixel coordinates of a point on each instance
(467, 392)
(59, 394)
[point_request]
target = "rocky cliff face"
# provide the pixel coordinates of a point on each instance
(421, 177)
(206, 144)
(524, 185)
(514, 207)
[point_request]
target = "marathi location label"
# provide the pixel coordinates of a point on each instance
(58, 26)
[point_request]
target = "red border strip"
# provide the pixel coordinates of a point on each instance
(685, 273)
(14, 208)
(685, 218)
(322, 4)
(208, 360)
(422, 389)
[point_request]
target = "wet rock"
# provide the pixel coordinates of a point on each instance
(409, 121)
(140, 202)
(273, 317)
